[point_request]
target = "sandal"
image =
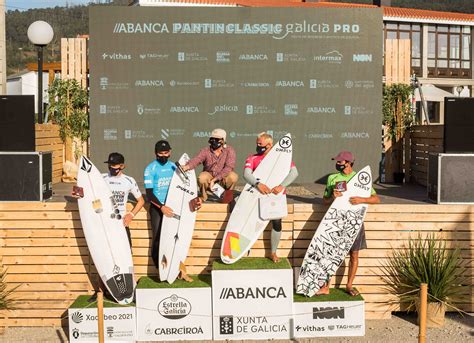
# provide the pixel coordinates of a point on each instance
(352, 292)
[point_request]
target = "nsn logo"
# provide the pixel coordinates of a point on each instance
(250, 293)
(328, 312)
(362, 58)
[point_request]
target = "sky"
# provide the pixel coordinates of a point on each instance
(27, 4)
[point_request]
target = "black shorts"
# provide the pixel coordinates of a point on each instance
(360, 243)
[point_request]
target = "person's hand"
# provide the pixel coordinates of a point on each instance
(167, 211)
(185, 167)
(198, 204)
(278, 189)
(263, 188)
(127, 219)
(356, 200)
(336, 194)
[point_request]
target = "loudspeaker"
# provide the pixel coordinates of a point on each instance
(458, 125)
(17, 123)
(450, 180)
(26, 176)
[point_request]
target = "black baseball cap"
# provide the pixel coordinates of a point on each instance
(115, 158)
(161, 146)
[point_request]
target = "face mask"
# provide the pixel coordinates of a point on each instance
(114, 171)
(162, 159)
(261, 149)
(215, 144)
(340, 167)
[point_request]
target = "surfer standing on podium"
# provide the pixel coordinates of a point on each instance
(264, 145)
(157, 177)
(336, 184)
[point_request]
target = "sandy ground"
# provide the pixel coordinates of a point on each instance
(401, 328)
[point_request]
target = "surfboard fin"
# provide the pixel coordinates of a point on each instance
(164, 262)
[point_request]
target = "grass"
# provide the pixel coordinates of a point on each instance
(335, 294)
(84, 301)
(154, 282)
(252, 263)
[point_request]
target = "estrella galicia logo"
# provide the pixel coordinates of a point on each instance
(77, 317)
(75, 333)
(328, 313)
(364, 178)
(285, 142)
(86, 165)
(226, 325)
(174, 307)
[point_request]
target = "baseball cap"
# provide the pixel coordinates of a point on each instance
(115, 158)
(344, 156)
(162, 146)
(219, 133)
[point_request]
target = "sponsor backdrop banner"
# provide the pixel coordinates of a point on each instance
(119, 324)
(177, 73)
(252, 304)
(174, 314)
(324, 319)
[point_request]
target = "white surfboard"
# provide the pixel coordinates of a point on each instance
(334, 236)
(177, 231)
(105, 234)
(245, 225)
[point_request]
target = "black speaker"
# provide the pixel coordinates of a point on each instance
(17, 123)
(26, 176)
(450, 180)
(458, 125)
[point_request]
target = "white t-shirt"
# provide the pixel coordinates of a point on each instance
(121, 186)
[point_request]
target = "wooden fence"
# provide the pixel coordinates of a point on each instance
(45, 252)
(422, 140)
(397, 61)
(47, 139)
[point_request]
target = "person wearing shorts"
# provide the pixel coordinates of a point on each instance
(344, 163)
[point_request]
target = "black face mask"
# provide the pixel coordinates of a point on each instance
(162, 159)
(215, 143)
(114, 171)
(261, 149)
(340, 167)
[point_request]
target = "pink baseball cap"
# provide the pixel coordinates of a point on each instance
(344, 156)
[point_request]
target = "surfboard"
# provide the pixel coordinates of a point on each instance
(105, 234)
(177, 231)
(245, 225)
(334, 236)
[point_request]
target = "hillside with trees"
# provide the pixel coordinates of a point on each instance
(73, 21)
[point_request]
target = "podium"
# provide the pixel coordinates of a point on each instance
(119, 321)
(336, 314)
(252, 299)
(180, 311)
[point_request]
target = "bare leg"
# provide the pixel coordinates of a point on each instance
(183, 275)
(353, 264)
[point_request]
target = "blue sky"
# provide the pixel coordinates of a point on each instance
(27, 4)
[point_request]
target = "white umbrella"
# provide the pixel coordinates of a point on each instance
(431, 93)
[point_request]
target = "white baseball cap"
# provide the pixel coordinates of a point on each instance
(219, 133)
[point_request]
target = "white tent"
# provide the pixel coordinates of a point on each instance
(431, 93)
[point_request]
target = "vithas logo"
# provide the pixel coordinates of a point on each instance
(252, 293)
(328, 312)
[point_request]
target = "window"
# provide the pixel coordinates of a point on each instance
(433, 108)
(407, 31)
(449, 51)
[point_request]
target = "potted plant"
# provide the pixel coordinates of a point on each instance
(427, 260)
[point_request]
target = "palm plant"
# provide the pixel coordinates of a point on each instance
(6, 301)
(426, 261)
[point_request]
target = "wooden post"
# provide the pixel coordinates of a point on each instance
(422, 314)
(100, 315)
